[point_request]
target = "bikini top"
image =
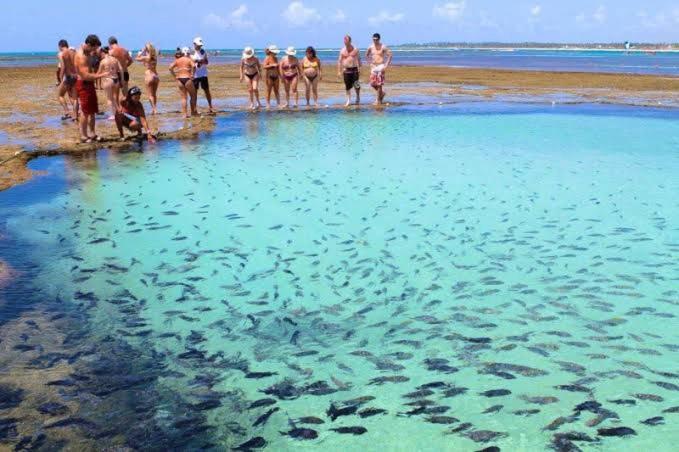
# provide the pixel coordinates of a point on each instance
(310, 64)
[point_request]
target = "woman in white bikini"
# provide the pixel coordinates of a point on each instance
(290, 72)
(149, 58)
(250, 68)
(313, 74)
(112, 72)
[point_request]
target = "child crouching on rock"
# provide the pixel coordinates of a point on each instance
(131, 115)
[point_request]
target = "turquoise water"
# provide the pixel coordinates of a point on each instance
(409, 261)
(617, 61)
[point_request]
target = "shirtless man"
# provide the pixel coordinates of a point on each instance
(66, 78)
(123, 56)
(84, 85)
(380, 58)
(349, 67)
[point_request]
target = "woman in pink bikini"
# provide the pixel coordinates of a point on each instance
(149, 58)
(290, 72)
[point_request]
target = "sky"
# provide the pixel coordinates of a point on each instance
(37, 25)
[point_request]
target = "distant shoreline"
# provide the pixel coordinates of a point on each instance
(673, 48)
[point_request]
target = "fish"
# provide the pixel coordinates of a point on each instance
(369, 412)
(301, 433)
(441, 420)
(309, 420)
(496, 393)
(262, 403)
(355, 430)
(653, 421)
(333, 412)
(616, 431)
(261, 420)
(253, 443)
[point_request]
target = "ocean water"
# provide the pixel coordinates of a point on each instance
(431, 279)
(637, 62)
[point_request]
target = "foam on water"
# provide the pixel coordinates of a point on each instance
(344, 247)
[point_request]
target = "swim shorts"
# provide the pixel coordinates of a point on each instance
(376, 79)
(69, 80)
(87, 97)
(202, 82)
(350, 78)
(126, 76)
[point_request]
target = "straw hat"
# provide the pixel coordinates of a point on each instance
(273, 49)
(291, 51)
(248, 52)
(186, 51)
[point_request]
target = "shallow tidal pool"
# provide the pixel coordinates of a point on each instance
(412, 279)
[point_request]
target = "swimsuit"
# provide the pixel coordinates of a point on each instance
(69, 80)
(311, 65)
(126, 76)
(351, 77)
(87, 95)
(251, 65)
(289, 77)
(184, 80)
(377, 76)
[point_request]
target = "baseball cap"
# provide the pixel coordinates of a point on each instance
(198, 41)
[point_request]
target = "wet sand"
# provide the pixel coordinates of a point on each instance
(29, 117)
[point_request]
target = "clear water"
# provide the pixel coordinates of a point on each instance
(438, 246)
(618, 61)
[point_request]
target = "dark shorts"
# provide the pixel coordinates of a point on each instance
(69, 80)
(127, 121)
(350, 78)
(126, 76)
(201, 82)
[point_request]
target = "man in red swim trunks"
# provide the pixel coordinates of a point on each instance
(87, 95)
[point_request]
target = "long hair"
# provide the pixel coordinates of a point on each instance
(153, 53)
(312, 51)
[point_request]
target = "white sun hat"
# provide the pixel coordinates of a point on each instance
(291, 51)
(248, 52)
(198, 41)
(273, 48)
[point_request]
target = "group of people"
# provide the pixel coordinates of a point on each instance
(80, 70)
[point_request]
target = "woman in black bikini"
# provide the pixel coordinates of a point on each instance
(272, 77)
(312, 74)
(250, 68)
(291, 72)
(183, 69)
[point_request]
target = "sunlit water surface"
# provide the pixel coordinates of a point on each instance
(406, 261)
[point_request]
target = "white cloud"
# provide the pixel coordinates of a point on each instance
(339, 16)
(536, 10)
(386, 17)
(600, 14)
(236, 19)
(296, 14)
(451, 11)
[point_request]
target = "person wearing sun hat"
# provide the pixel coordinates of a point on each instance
(250, 68)
(291, 72)
(200, 80)
(271, 74)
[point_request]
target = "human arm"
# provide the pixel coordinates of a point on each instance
(390, 56)
(83, 69)
(145, 125)
(339, 64)
(320, 70)
(240, 71)
(129, 59)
